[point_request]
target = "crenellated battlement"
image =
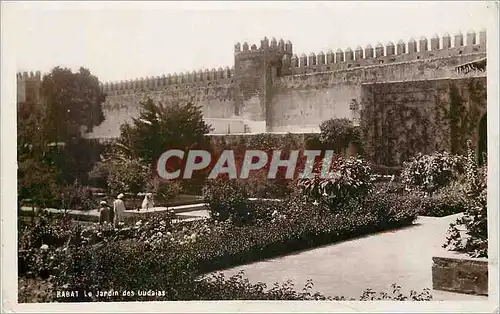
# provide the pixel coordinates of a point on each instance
(220, 75)
(424, 48)
(25, 76)
(265, 45)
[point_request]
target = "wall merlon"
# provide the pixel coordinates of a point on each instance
(312, 59)
(458, 39)
(379, 50)
(368, 52)
(321, 58)
(339, 56)
(482, 38)
(412, 45)
(423, 44)
(330, 57)
(274, 43)
(281, 45)
(264, 44)
(471, 38)
(349, 55)
(446, 41)
(390, 49)
(435, 42)
(358, 53)
(401, 47)
(303, 60)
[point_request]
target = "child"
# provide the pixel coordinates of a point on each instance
(104, 213)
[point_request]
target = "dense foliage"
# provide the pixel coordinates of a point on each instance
(396, 126)
(337, 134)
(228, 200)
(122, 173)
(161, 127)
(73, 101)
(469, 234)
(429, 173)
(349, 180)
(447, 201)
(51, 151)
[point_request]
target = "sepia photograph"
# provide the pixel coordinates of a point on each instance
(335, 154)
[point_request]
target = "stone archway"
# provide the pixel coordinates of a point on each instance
(482, 139)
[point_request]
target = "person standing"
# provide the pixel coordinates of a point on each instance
(118, 209)
(147, 203)
(104, 212)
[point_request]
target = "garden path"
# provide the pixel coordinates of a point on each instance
(402, 256)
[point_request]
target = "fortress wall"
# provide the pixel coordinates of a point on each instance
(211, 90)
(302, 102)
(271, 89)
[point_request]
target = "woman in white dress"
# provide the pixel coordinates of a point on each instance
(148, 202)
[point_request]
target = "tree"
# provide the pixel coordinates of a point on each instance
(122, 173)
(159, 128)
(72, 102)
(49, 131)
(337, 134)
(37, 174)
(31, 126)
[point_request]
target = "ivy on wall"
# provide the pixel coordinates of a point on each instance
(462, 112)
(399, 120)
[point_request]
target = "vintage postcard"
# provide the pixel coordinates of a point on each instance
(277, 156)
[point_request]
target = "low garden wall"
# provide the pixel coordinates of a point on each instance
(460, 274)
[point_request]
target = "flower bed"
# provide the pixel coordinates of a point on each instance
(162, 256)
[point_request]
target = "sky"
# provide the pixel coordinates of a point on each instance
(126, 40)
